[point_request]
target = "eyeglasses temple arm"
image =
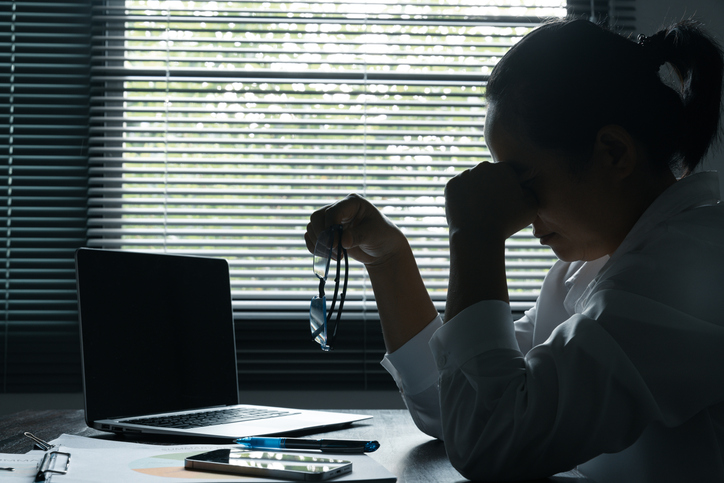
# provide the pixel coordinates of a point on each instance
(342, 296)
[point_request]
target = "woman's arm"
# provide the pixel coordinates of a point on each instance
(484, 207)
(403, 302)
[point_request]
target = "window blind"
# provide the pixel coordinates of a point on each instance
(44, 87)
(217, 128)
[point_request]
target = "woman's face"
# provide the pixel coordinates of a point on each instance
(577, 212)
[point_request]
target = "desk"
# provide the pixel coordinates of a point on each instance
(411, 455)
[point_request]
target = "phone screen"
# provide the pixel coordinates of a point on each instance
(271, 464)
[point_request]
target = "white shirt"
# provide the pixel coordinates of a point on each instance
(618, 369)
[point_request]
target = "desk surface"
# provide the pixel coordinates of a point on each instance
(405, 451)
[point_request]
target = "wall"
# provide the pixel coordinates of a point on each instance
(651, 15)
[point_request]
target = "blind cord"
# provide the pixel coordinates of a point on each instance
(364, 193)
(165, 129)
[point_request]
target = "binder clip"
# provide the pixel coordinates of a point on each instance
(48, 464)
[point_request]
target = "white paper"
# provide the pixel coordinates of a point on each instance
(25, 467)
(96, 460)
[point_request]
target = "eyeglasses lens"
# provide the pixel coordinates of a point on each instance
(318, 321)
(323, 254)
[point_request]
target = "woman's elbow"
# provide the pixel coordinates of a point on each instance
(476, 467)
(479, 467)
(492, 459)
(427, 424)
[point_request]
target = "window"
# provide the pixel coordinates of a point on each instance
(216, 128)
(219, 127)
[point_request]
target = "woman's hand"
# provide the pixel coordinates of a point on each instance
(489, 202)
(368, 235)
(403, 303)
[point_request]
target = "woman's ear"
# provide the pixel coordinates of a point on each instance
(616, 151)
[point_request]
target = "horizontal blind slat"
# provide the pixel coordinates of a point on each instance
(44, 117)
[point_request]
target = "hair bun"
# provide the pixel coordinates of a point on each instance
(656, 48)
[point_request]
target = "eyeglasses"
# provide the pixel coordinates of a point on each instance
(320, 319)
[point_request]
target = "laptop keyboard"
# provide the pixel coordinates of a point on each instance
(210, 418)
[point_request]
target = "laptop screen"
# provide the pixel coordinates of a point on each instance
(157, 333)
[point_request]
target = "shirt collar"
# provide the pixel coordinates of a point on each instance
(700, 189)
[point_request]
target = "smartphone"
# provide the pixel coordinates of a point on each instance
(285, 466)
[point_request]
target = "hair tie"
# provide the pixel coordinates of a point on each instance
(655, 48)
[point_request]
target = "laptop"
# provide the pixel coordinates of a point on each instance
(159, 352)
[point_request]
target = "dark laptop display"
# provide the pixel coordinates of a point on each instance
(157, 337)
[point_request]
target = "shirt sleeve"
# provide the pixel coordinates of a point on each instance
(415, 372)
(591, 388)
(524, 329)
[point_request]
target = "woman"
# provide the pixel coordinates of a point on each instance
(619, 368)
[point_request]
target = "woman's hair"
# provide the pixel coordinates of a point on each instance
(567, 79)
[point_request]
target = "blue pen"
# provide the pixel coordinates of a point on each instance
(324, 445)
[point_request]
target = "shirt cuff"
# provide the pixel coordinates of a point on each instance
(482, 327)
(412, 365)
